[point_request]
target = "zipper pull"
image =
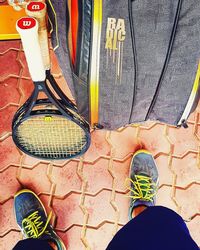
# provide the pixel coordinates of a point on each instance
(184, 123)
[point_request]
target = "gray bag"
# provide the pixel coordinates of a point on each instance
(135, 60)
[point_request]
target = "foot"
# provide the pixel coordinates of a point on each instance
(143, 179)
(32, 219)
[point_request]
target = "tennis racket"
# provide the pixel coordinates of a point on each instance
(47, 128)
(38, 11)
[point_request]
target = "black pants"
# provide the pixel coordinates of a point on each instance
(32, 244)
(156, 228)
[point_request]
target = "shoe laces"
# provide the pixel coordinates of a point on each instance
(143, 188)
(34, 226)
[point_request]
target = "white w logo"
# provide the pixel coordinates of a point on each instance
(26, 23)
(35, 7)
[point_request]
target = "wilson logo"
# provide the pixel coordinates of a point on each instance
(26, 23)
(115, 32)
(36, 7)
(32, 6)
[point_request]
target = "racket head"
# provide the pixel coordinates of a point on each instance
(48, 134)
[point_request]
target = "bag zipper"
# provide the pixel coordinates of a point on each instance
(169, 51)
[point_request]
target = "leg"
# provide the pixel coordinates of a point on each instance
(32, 244)
(152, 227)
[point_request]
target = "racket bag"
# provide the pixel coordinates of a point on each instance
(129, 61)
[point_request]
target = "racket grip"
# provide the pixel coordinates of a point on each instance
(38, 11)
(27, 27)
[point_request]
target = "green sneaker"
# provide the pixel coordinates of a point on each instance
(32, 219)
(143, 180)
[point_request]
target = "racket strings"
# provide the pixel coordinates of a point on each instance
(51, 137)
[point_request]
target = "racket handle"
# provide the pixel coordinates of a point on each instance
(28, 30)
(38, 11)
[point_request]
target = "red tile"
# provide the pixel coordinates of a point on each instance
(10, 92)
(123, 203)
(71, 238)
(186, 169)
(165, 198)
(7, 115)
(22, 59)
(10, 240)
(99, 211)
(36, 179)
(99, 146)
(68, 211)
(124, 142)
(97, 176)
(8, 64)
(164, 172)
(66, 179)
(99, 239)
(9, 183)
(154, 139)
(8, 153)
(121, 172)
(189, 200)
(183, 139)
(194, 228)
(7, 218)
(7, 45)
(26, 87)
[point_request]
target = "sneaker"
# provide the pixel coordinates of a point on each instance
(143, 180)
(32, 218)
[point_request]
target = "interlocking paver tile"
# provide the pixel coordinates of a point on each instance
(7, 116)
(165, 174)
(127, 139)
(70, 238)
(186, 169)
(9, 184)
(99, 146)
(97, 175)
(68, 211)
(26, 86)
(6, 60)
(68, 179)
(99, 208)
(24, 67)
(6, 242)
(189, 200)
(123, 202)
(194, 227)
(35, 178)
(9, 154)
(7, 218)
(165, 198)
(184, 139)
(10, 92)
(150, 139)
(121, 172)
(4, 46)
(102, 237)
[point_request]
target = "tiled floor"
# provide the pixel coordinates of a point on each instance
(87, 195)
